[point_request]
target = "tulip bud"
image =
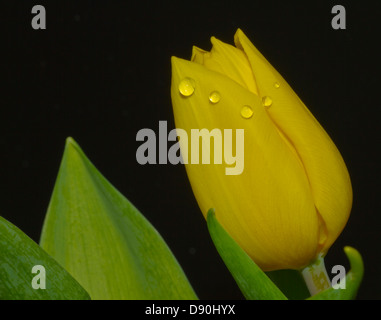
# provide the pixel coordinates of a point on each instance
(294, 196)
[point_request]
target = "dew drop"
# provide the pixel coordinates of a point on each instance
(247, 112)
(276, 85)
(186, 87)
(267, 102)
(214, 97)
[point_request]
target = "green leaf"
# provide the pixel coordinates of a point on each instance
(352, 280)
(291, 283)
(253, 282)
(19, 254)
(104, 241)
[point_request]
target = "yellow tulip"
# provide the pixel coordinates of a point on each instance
(294, 195)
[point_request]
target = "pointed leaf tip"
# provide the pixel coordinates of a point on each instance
(72, 145)
(70, 140)
(104, 241)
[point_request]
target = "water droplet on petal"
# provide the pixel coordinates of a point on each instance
(186, 87)
(276, 85)
(267, 102)
(214, 97)
(247, 112)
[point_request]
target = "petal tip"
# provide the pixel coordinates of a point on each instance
(198, 55)
(175, 63)
(239, 37)
(174, 60)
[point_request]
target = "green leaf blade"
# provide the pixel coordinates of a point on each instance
(253, 282)
(18, 255)
(104, 241)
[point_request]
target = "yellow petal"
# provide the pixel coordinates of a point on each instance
(325, 168)
(198, 55)
(268, 209)
(227, 60)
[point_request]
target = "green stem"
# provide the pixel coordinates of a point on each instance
(316, 277)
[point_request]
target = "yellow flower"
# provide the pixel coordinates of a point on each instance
(294, 195)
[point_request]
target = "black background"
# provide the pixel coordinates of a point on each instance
(101, 71)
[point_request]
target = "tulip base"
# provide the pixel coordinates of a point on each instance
(316, 277)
